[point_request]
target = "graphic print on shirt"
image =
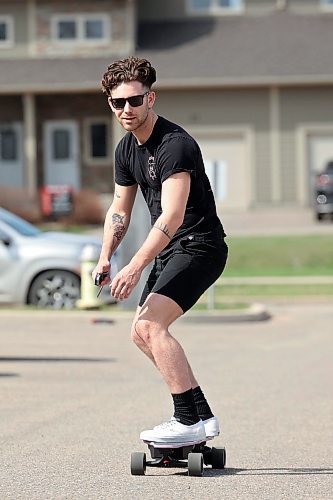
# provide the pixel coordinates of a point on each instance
(151, 168)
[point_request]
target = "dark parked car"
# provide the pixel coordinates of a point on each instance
(40, 268)
(324, 193)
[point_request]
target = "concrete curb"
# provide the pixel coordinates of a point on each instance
(256, 312)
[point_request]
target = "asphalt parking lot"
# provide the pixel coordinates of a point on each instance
(75, 393)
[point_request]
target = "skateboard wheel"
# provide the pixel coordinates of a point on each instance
(218, 458)
(195, 464)
(138, 463)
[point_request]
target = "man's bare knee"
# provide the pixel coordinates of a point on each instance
(135, 336)
(147, 330)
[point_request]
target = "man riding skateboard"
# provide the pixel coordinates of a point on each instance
(186, 240)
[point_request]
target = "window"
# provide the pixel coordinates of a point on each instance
(66, 30)
(93, 29)
(6, 31)
(215, 6)
(97, 141)
(61, 144)
(81, 28)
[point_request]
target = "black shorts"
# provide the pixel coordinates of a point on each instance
(187, 269)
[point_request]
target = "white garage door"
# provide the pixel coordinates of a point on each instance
(227, 162)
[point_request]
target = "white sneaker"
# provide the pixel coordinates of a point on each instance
(175, 432)
(212, 427)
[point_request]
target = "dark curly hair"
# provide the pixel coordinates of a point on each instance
(128, 70)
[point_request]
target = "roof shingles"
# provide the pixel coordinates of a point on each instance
(277, 48)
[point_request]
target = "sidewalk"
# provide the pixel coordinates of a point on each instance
(270, 221)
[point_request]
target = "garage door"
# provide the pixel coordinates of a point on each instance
(228, 168)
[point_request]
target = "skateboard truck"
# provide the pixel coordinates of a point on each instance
(191, 455)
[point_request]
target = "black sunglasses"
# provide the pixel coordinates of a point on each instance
(134, 101)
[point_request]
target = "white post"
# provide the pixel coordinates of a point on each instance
(30, 143)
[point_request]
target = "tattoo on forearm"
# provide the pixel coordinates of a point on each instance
(118, 219)
(117, 195)
(163, 228)
(118, 226)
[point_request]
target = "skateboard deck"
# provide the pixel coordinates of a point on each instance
(175, 445)
(191, 455)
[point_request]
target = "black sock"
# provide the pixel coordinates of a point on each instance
(185, 409)
(201, 404)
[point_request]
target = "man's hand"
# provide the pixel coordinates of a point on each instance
(101, 271)
(124, 282)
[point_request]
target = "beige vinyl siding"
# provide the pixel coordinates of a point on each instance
(263, 162)
(288, 166)
(226, 108)
(18, 11)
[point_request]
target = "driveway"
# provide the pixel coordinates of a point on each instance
(75, 393)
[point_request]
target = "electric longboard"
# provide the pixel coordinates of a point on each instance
(192, 455)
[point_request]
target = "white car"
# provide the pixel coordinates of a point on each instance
(41, 268)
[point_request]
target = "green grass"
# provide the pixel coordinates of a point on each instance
(258, 256)
(220, 305)
(56, 226)
(310, 255)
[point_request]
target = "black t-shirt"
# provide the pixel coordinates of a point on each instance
(169, 149)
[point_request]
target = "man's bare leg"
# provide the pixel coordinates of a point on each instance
(146, 350)
(151, 335)
(138, 340)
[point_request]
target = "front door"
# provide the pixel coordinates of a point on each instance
(61, 153)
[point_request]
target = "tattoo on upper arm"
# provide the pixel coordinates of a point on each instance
(118, 226)
(164, 228)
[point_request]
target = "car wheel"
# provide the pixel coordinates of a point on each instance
(55, 289)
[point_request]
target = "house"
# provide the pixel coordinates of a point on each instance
(252, 80)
